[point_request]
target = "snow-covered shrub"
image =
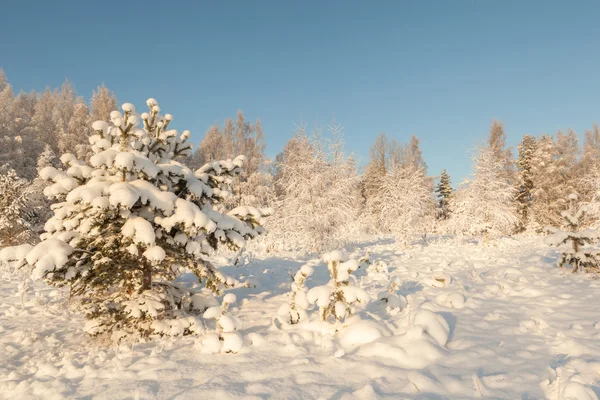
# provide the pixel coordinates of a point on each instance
(130, 221)
(15, 227)
(226, 339)
(337, 298)
(379, 267)
(587, 259)
(295, 311)
(394, 302)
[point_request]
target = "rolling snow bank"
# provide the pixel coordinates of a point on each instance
(505, 323)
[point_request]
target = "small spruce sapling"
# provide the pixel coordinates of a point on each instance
(228, 338)
(337, 299)
(576, 255)
(295, 311)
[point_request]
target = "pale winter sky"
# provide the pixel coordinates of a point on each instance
(439, 69)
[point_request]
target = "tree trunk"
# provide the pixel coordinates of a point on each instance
(146, 277)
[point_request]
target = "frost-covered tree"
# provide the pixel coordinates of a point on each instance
(496, 143)
(524, 164)
(75, 139)
(576, 254)
(546, 201)
(38, 205)
(318, 193)
(17, 147)
(372, 181)
(444, 194)
(406, 201)
(14, 225)
(555, 172)
(484, 205)
(337, 300)
(102, 103)
(45, 119)
(129, 222)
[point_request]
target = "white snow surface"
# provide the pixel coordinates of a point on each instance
(507, 324)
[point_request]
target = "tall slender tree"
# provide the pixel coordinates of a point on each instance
(524, 164)
(444, 194)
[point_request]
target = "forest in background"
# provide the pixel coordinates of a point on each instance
(321, 197)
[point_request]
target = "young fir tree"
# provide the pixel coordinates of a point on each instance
(576, 255)
(444, 193)
(524, 165)
(337, 299)
(127, 223)
(295, 311)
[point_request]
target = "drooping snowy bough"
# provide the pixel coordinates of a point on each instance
(576, 255)
(129, 223)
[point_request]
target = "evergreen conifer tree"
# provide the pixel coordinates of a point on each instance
(129, 222)
(444, 193)
(524, 165)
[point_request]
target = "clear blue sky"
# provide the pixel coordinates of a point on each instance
(441, 70)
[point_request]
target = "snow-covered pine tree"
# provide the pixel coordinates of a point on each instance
(576, 255)
(485, 204)
(524, 196)
(127, 224)
(337, 299)
(444, 193)
(14, 225)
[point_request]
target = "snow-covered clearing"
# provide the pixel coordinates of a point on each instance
(519, 327)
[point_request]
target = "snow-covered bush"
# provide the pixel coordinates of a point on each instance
(226, 339)
(295, 311)
(587, 259)
(127, 224)
(337, 298)
(394, 302)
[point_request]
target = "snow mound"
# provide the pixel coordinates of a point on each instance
(434, 325)
(577, 391)
(451, 300)
(359, 333)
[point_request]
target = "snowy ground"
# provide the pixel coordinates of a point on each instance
(526, 329)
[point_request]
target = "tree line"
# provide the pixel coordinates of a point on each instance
(321, 196)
